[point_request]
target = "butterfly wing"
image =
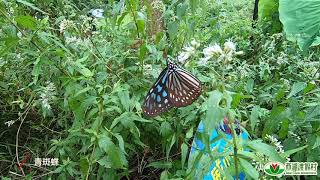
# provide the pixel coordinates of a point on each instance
(157, 99)
(184, 88)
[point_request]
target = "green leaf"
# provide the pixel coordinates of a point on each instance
(85, 71)
(249, 169)
(301, 21)
(267, 8)
(31, 6)
(292, 151)
(254, 117)
(284, 129)
(317, 143)
(160, 164)
(165, 129)
(27, 22)
(120, 140)
(124, 99)
(296, 88)
(84, 166)
(249, 86)
(265, 149)
(105, 142)
(215, 113)
(184, 152)
(189, 133)
(173, 28)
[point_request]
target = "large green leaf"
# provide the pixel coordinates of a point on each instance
(267, 8)
(268, 11)
(301, 21)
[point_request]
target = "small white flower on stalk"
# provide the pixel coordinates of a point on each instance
(9, 123)
(275, 142)
(188, 51)
(229, 46)
(47, 94)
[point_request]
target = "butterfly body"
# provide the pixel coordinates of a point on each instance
(175, 87)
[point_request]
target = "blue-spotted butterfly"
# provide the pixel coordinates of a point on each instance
(175, 87)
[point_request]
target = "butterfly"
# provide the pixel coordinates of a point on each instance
(175, 87)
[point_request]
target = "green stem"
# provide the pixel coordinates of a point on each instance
(235, 148)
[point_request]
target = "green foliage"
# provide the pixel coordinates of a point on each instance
(269, 13)
(301, 21)
(77, 93)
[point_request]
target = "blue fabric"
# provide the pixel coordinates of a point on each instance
(218, 145)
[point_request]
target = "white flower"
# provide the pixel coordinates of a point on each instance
(188, 51)
(47, 94)
(194, 43)
(275, 142)
(97, 13)
(212, 50)
(9, 123)
(64, 24)
(229, 46)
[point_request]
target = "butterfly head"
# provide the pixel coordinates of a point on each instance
(171, 65)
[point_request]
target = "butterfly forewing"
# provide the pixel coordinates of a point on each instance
(184, 88)
(157, 99)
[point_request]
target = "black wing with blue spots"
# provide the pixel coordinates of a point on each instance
(174, 87)
(157, 99)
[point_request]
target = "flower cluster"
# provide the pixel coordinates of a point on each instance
(65, 24)
(158, 5)
(215, 50)
(275, 142)
(188, 51)
(47, 94)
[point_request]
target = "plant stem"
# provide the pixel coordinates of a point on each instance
(235, 148)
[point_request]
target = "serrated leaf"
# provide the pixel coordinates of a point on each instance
(120, 140)
(105, 142)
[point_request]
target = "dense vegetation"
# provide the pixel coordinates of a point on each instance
(72, 85)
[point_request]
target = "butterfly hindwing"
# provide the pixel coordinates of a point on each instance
(157, 99)
(184, 88)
